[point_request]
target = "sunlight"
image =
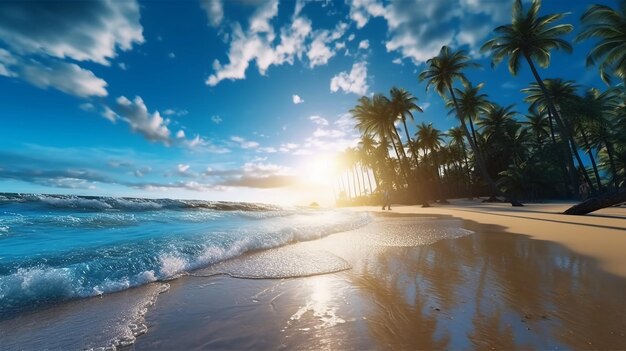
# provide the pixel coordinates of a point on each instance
(320, 169)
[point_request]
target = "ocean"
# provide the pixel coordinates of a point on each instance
(55, 248)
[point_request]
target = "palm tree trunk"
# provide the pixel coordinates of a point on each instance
(577, 155)
(469, 173)
(609, 151)
(395, 148)
(552, 109)
(353, 182)
(355, 173)
(404, 161)
(439, 190)
(360, 171)
(567, 177)
(593, 161)
(369, 181)
(410, 143)
(471, 123)
(343, 185)
(477, 156)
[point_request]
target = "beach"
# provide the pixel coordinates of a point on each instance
(461, 276)
(488, 290)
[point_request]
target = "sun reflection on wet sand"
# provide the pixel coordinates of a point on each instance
(488, 290)
(320, 306)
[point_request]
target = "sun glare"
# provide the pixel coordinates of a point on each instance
(320, 170)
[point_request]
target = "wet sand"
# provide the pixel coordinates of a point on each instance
(464, 276)
(487, 290)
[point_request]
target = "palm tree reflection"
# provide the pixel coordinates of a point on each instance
(491, 290)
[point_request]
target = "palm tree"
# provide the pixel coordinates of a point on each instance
(375, 116)
(352, 160)
(441, 71)
(607, 25)
(562, 93)
(431, 139)
(471, 104)
(531, 37)
(457, 140)
(539, 127)
(402, 103)
(367, 148)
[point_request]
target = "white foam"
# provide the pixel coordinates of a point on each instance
(76, 202)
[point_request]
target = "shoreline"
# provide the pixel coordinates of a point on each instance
(600, 235)
(445, 277)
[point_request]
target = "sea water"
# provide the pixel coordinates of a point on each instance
(55, 248)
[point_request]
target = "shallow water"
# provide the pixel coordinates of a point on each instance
(488, 290)
(55, 249)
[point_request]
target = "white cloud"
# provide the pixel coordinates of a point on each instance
(122, 66)
(353, 82)
(66, 77)
(286, 147)
(364, 44)
(87, 106)
(297, 99)
(200, 144)
(267, 150)
(173, 112)
(362, 10)
(319, 50)
(321, 121)
(214, 10)
(109, 114)
(180, 134)
(183, 168)
(216, 119)
(42, 34)
(151, 125)
(259, 44)
(243, 143)
(415, 35)
(397, 61)
(82, 30)
(351, 37)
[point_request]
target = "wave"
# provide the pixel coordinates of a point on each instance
(99, 203)
(92, 271)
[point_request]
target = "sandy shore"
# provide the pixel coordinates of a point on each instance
(461, 276)
(525, 278)
(600, 235)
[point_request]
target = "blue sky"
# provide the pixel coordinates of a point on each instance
(241, 100)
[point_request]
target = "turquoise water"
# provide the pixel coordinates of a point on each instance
(57, 248)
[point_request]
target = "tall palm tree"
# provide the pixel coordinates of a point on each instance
(402, 103)
(367, 147)
(457, 140)
(606, 24)
(471, 104)
(538, 125)
(431, 139)
(561, 93)
(531, 37)
(353, 159)
(375, 116)
(441, 71)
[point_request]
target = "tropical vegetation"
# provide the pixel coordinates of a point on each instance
(570, 137)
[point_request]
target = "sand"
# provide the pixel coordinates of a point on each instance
(461, 276)
(600, 235)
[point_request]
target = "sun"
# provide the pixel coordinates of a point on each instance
(319, 169)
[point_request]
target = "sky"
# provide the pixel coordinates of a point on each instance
(233, 100)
